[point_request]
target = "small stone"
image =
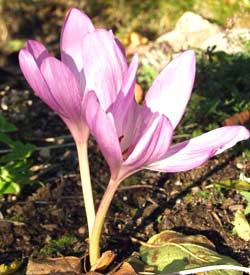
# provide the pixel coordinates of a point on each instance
(178, 183)
(195, 190)
(239, 165)
(125, 198)
(191, 30)
(82, 230)
(178, 201)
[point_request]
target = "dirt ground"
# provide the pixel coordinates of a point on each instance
(147, 203)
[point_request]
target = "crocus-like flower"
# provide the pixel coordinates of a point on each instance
(133, 137)
(92, 87)
(91, 60)
(63, 84)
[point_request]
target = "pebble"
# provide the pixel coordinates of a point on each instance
(82, 230)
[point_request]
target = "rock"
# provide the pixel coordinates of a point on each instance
(191, 31)
(230, 41)
(158, 55)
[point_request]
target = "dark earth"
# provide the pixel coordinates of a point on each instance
(52, 208)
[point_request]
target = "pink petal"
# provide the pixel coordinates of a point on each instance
(130, 76)
(121, 47)
(64, 87)
(104, 65)
(35, 79)
(193, 153)
(103, 128)
(125, 98)
(76, 26)
(38, 51)
(151, 137)
(171, 90)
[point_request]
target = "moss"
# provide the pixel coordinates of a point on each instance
(55, 246)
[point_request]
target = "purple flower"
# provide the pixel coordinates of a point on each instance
(133, 137)
(91, 59)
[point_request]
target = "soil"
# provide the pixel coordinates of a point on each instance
(52, 207)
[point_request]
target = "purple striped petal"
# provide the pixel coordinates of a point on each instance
(102, 126)
(104, 65)
(38, 51)
(63, 86)
(193, 153)
(150, 137)
(76, 26)
(36, 80)
(126, 98)
(171, 90)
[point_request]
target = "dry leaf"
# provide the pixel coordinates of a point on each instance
(54, 266)
(238, 119)
(139, 94)
(125, 269)
(93, 273)
(104, 261)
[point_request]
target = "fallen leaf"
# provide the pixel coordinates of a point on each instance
(139, 266)
(54, 266)
(170, 236)
(242, 226)
(170, 252)
(125, 269)
(139, 94)
(104, 261)
(93, 273)
(238, 119)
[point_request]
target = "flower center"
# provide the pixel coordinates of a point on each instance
(125, 152)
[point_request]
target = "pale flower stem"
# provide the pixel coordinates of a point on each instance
(94, 242)
(82, 150)
(211, 268)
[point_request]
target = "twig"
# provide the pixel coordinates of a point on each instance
(16, 223)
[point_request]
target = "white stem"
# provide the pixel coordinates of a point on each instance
(86, 185)
(210, 268)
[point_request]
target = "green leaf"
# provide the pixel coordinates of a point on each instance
(237, 184)
(7, 184)
(245, 195)
(6, 126)
(6, 140)
(247, 210)
(170, 252)
(20, 151)
(15, 45)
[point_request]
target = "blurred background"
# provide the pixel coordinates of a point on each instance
(21, 19)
